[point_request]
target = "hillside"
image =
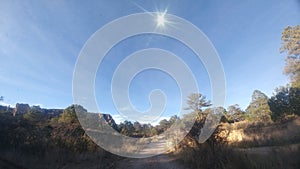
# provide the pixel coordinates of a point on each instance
(244, 133)
(54, 138)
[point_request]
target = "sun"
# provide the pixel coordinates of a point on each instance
(160, 19)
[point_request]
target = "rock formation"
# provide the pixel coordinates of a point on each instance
(108, 118)
(21, 109)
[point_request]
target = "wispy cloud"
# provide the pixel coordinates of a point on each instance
(118, 118)
(6, 104)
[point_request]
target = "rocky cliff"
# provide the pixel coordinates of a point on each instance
(21, 109)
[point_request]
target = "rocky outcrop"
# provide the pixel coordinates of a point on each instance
(21, 109)
(53, 112)
(38, 108)
(108, 118)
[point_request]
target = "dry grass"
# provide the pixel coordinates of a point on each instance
(61, 159)
(266, 157)
(262, 146)
(225, 157)
(245, 134)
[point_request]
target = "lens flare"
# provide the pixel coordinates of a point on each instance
(161, 20)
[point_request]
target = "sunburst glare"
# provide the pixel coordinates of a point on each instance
(161, 20)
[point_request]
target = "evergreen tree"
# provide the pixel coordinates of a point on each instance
(259, 109)
(291, 45)
(235, 113)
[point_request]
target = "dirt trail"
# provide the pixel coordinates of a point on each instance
(163, 161)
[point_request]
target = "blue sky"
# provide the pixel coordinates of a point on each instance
(41, 40)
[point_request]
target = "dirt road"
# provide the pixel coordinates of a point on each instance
(164, 161)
